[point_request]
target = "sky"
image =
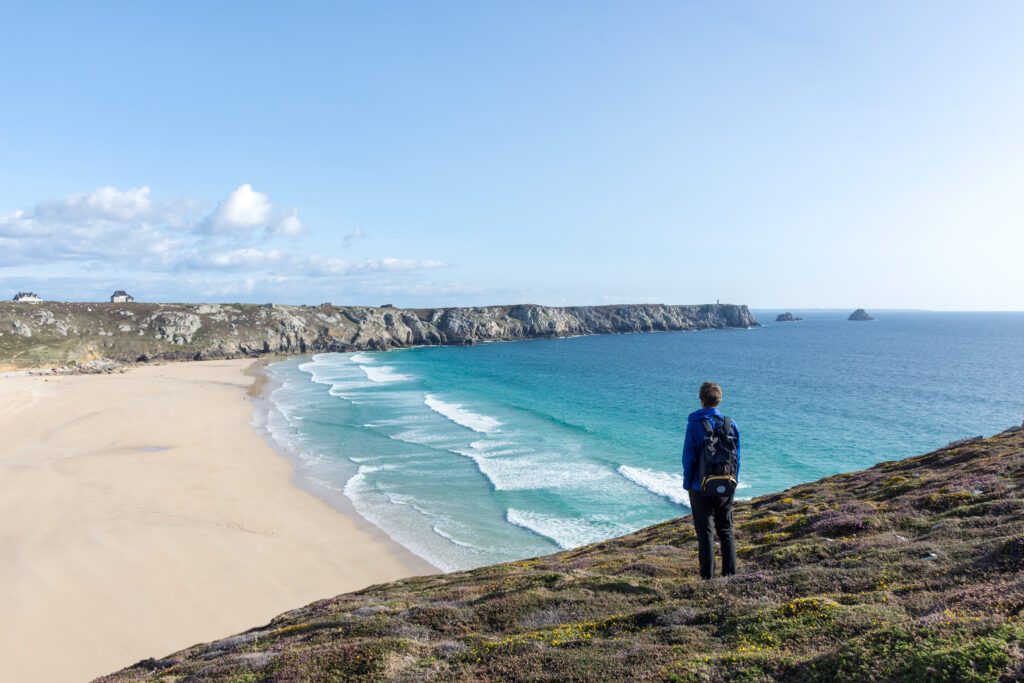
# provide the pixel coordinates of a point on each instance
(781, 155)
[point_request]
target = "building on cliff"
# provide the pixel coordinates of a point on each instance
(27, 297)
(121, 297)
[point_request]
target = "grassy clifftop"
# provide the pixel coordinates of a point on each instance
(910, 570)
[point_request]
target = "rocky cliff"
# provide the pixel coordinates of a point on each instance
(909, 571)
(55, 333)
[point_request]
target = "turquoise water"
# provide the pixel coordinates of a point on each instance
(474, 455)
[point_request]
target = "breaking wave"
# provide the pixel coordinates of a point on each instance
(665, 484)
(566, 532)
(484, 424)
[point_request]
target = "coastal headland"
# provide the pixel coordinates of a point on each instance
(142, 513)
(908, 571)
(55, 334)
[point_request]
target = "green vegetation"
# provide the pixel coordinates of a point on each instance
(909, 571)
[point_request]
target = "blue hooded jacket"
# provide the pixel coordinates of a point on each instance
(694, 439)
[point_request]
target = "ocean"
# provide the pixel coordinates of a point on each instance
(475, 455)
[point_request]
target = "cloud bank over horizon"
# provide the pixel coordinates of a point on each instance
(181, 248)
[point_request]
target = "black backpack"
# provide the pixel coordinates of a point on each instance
(717, 462)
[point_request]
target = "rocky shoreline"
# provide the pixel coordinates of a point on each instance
(59, 334)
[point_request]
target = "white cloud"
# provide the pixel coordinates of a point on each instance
(104, 203)
(289, 224)
(298, 265)
(245, 259)
(334, 266)
(353, 237)
(244, 208)
(230, 249)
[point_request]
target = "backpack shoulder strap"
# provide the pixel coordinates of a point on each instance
(708, 429)
(727, 426)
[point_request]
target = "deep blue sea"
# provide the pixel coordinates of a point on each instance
(474, 455)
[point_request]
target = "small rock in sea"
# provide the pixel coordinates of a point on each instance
(860, 314)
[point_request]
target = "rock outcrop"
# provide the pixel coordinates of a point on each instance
(860, 314)
(22, 329)
(78, 332)
(176, 327)
(786, 318)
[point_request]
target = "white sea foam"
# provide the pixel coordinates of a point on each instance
(408, 501)
(323, 483)
(362, 358)
(341, 377)
(369, 469)
(395, 421)
(665, 484)
(280, 426)
(420, 437)
(484, 424)
(448, 537)
(358, 480)
(567, 532)
(370, 459)
(509, 474)
(512, 468)
(310, 457)
(383, 374)
(493, 448)
(383, 509)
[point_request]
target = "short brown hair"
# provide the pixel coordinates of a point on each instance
(710, 394)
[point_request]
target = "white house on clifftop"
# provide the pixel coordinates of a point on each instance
(28, 297)
(121, 297)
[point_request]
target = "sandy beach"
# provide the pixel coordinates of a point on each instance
(142, 513)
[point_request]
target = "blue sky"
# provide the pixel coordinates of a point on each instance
(776, 154)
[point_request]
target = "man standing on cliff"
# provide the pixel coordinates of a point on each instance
(711, 467)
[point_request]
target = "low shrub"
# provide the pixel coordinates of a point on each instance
(765, 523)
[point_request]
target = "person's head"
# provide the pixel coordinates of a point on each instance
(710, 395)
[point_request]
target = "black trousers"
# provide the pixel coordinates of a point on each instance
(711, 514)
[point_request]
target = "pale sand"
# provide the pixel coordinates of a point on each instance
(113, 549)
